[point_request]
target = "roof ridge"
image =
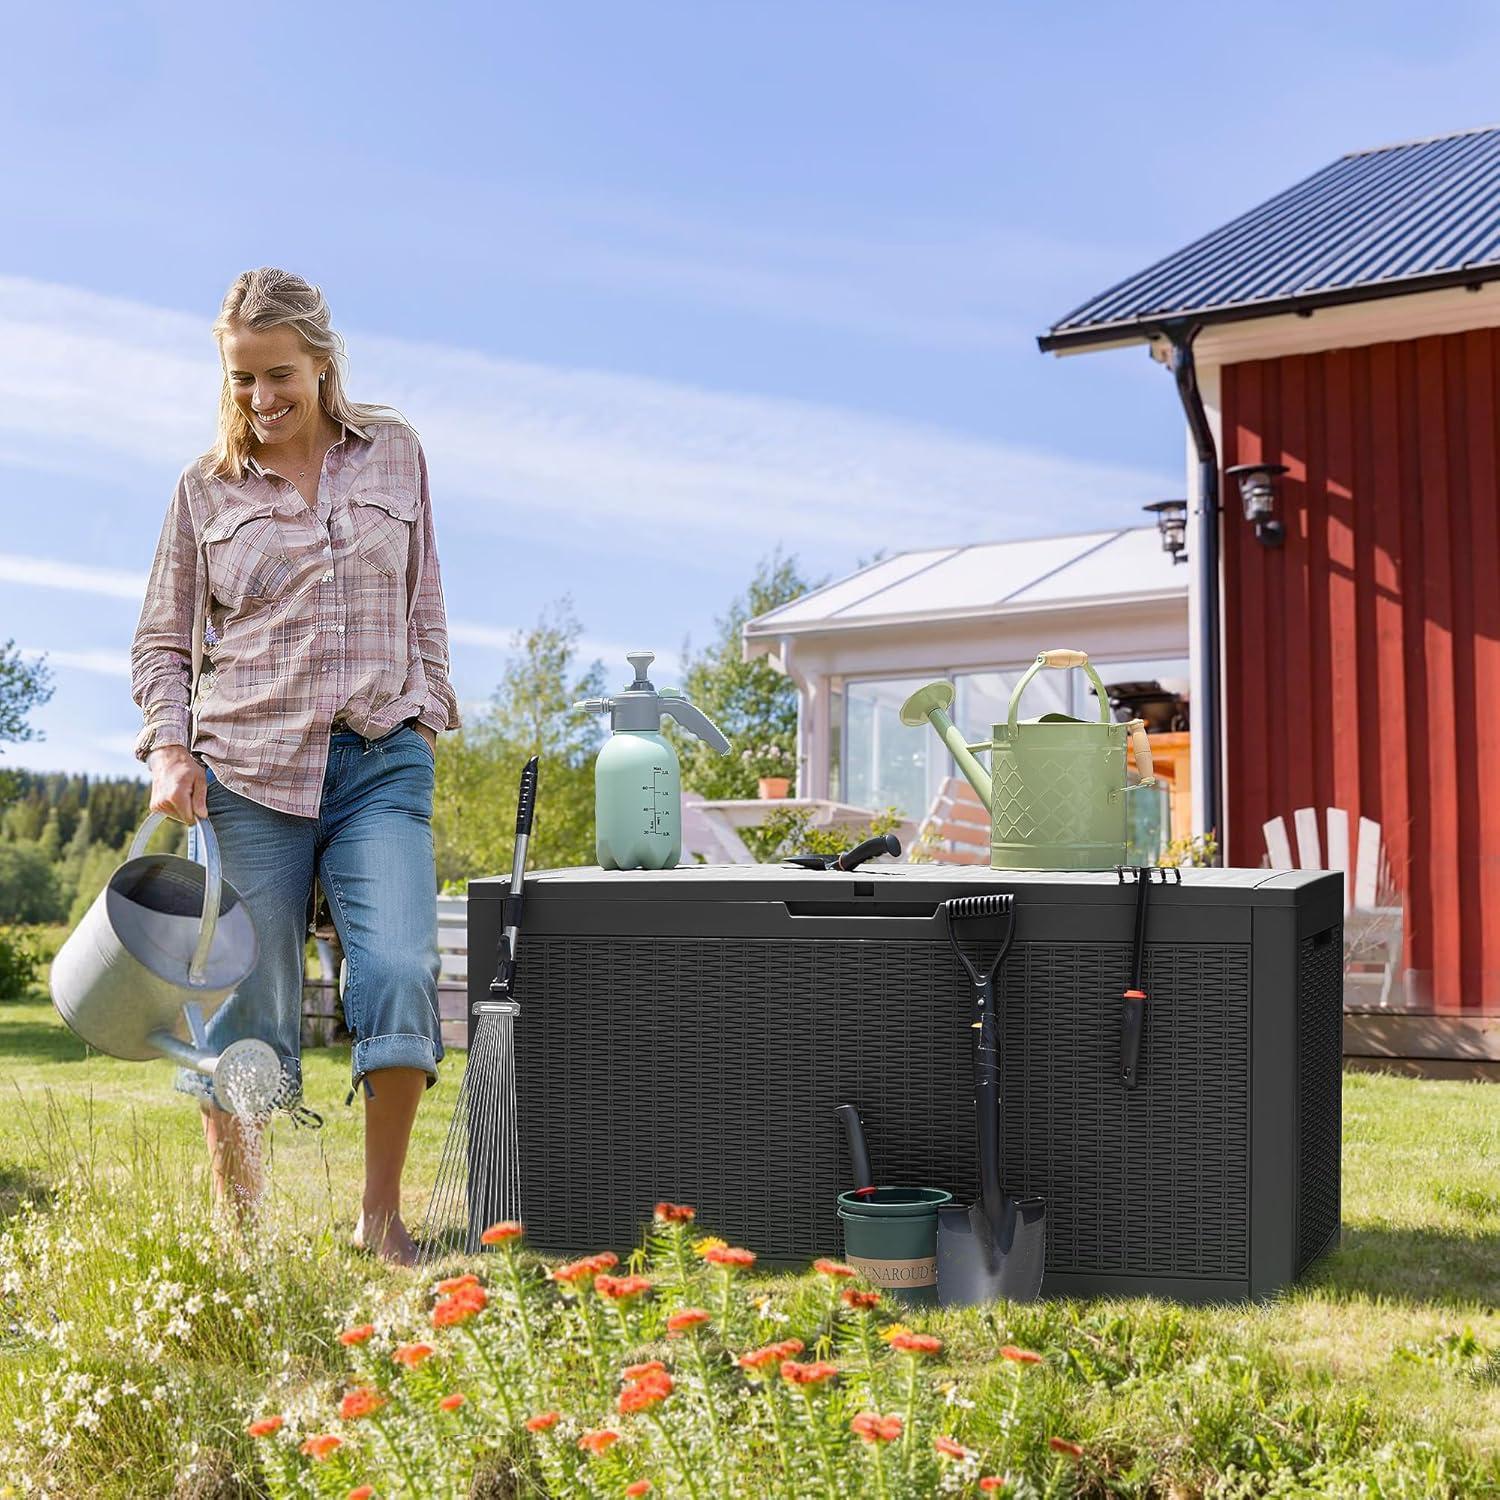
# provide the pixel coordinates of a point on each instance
(1424, 140)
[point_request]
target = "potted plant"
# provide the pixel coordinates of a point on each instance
(773, 766)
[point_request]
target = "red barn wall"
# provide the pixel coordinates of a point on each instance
(1362, 660)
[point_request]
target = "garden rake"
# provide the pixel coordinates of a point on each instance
(479, 1175)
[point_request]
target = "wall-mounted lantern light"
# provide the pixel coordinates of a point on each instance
(1257, 484)
(1171, 521)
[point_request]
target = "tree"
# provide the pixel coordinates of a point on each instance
(753, 703)
(24, 685)
(479, 767)
(29, 890)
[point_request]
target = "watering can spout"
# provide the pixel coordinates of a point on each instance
(931, 703)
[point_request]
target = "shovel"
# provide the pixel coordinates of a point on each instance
(995, 1247)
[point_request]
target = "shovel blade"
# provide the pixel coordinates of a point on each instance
(978, 1262)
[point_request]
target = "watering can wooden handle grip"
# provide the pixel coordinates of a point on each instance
(1065, 660)
(213, 877)
(1140, 748)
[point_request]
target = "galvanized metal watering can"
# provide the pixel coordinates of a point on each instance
(165, 943)
(1056, 790)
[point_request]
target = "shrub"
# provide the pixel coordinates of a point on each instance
(21, 964)
(789, 830)
(29, 890)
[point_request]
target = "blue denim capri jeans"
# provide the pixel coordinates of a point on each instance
(370, 847)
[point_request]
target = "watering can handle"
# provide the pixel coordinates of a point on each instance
(1063, 660)
(212, 882)
(1140, 749)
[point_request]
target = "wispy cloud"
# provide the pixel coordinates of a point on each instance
(52, 573)
(640, 467)
(116, 583)
(104, 662)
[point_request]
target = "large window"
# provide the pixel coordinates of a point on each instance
(887, 764)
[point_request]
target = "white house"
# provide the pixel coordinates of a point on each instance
(977, 615)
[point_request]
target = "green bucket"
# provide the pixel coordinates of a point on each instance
(890, 1237)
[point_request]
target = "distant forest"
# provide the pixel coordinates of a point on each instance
(61, 837)
(116, 806)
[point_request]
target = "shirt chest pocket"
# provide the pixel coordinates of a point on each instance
(246, 555)
(382, 530)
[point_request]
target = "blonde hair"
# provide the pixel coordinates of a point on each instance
(269, 298)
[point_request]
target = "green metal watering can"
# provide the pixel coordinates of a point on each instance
(1057, 790)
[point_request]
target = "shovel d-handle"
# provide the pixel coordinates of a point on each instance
(1061, 660)
(213, 879)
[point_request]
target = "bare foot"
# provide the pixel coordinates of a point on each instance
(385, 1237)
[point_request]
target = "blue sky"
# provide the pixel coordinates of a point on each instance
(662, 285)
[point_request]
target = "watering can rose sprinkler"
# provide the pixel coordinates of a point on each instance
(1056, 791)
(165, 943)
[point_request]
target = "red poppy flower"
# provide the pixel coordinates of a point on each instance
(542, 1421)
(460, 1307)
(813, 1373)
(646, 1391)
(871, 1427)
(502, 1233)
(360, 1402)
(758, 1359)
(411, 1355)
(834, 1268)
(598, 1440)
(917, 1343)
(993, 1484)
(1067, 1449)
(457, 1283)
(861, 1301)
(945, 1447)
(1020, 1356)
(453, 1402)
(322, 1444)
(674, 1213)
(361, 1492)
(265, 1426)
(689, 1317)
(651, 1366)
(640, 1487)
(586, 1269)
(622, 1288)
(728, 1255)
(357, 1335)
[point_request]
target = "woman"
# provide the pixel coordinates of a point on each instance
(291, 663)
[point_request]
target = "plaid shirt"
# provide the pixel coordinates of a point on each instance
(311, 614)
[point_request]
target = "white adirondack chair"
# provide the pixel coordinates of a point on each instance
(956, 830)
(1372, 904)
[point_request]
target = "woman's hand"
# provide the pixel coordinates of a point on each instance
(430, 735)
(178, 786)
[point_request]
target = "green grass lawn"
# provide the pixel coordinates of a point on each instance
(1379, 1375)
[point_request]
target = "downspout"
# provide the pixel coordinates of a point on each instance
(1207, 718)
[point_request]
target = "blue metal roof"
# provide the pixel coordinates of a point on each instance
(1371, 224)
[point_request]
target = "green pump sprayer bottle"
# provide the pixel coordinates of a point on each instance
(637, 781)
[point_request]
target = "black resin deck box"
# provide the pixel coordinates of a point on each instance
(686, 1035)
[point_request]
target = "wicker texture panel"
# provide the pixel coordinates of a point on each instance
(707, 1072)
(1320, 1101)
